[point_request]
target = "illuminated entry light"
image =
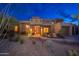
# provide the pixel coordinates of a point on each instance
(16, 29)
(45, 30)
(27, 26)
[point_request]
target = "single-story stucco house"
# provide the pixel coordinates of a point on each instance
(41, 27)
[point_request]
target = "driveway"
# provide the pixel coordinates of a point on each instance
(39, 47)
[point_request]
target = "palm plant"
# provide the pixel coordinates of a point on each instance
(72, 17)
(12, 22)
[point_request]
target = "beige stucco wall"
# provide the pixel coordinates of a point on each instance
(57, 27)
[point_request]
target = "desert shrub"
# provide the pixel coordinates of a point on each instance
(17, 39)
(60, 36)
(21, 41)
(11, 35)
(23, 33)
(34, 42)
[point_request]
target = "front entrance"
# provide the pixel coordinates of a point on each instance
(36, 31)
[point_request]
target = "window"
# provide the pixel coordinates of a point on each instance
(46, 30)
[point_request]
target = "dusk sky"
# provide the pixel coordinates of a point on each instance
(46, 11)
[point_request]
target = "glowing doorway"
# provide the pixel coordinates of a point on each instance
(36, 31)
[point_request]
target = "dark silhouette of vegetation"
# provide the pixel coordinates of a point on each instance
(7, 27)
(21, 41)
